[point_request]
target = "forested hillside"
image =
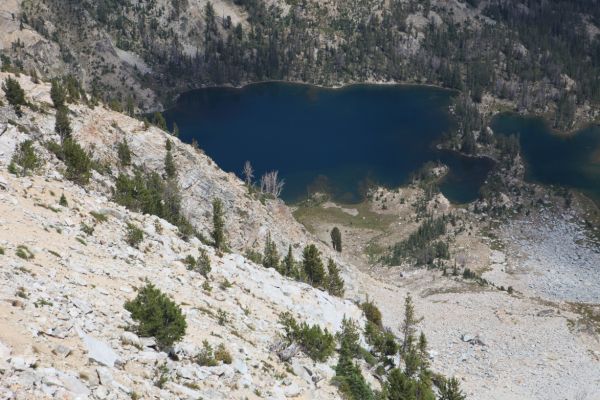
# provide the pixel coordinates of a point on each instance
(534, 53)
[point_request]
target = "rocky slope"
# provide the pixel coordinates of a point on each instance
(63, 323)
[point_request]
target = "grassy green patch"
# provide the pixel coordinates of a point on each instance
(309, 214)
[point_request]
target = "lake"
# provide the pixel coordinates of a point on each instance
(571, 161)
(334, 138)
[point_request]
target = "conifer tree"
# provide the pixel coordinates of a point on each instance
(399, 386)
(288, 264)
(26, 157)
(450, 390)
(130, 106)
(62, 125)
(313, 265)
(170, 168)
(408, 328)
(57, 94)
(124, 153)
(336, 239)
(204, 263)
(218, 233)
(271, 256)
(335, 283)
(175, 130)
(15, 95)
(159, 121)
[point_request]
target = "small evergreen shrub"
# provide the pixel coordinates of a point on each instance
(135, 235)
(15, 95)
(77, 160)
(157, 315)
(26, 158)
(254, 256)
(203, 263)
(190, 262)
(372, 313)
(211, 358)
(317, 343)
(63, 201)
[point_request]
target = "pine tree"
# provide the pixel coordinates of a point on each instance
(271, 256)
(130, 106)
(351, 381)
(218, 233)
(288, 265)
(124, 153)
(336, 239)
(159, 121)
(26, 157)
(450, 390)
(399, 386)
(175, 130)
(313, 266)
(15, 95)
(170, 168)
(408, 325)
(204, 263)
(57, 94)
(62, 126)
(335, 283)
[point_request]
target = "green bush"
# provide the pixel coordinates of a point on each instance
(149, 194)
(14, 94)
(203, 263)
(211, 358)
(157, 315)
(254, 256)
(317, 343)
(190, 262)
(372, 313)
(135, 235)
(26, 157)
(77, 160)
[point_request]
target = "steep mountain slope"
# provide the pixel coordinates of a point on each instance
(80, 281)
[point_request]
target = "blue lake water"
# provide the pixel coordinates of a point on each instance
(345, 137)
(572, 161)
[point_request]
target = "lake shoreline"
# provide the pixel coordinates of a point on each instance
(580, 122)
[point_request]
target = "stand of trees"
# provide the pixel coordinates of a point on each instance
(524, 56)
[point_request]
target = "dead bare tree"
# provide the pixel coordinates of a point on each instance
(248, 173)
(270, 184)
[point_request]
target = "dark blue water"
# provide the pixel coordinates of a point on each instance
(341, 138)
(571, 161)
